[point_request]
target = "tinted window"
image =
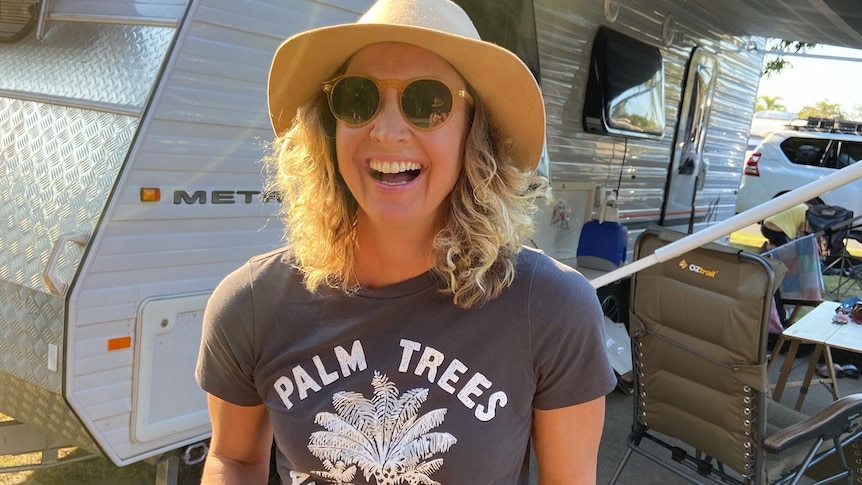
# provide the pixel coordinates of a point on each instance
(804, 151)
(625, 87)
(849, 152)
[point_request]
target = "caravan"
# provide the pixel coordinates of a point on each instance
(130, 135)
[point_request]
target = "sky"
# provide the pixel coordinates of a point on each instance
(810, 80)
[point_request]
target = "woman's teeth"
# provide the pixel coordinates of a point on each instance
(394, 167)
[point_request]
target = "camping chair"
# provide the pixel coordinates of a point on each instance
(698, 324)
(834, 226)
(845, 265)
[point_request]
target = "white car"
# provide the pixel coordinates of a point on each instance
(789, 159)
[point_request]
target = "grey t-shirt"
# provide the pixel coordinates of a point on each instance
(398, 384)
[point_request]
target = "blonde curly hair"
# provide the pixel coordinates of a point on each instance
(490, 214)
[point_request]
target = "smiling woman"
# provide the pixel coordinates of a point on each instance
(371, 347)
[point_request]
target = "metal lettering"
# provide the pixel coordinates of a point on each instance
(223, 197)
(216, 196)
(181, 196)
(248, 194)
(271, 195)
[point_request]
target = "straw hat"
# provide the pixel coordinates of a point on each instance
(505, 86)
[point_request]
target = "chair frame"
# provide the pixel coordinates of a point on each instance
(849, 274)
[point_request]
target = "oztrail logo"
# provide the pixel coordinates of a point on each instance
(683, 264)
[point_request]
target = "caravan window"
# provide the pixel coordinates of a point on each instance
(625, 88)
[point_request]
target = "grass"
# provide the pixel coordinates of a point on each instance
(752, 242)
(96, 471)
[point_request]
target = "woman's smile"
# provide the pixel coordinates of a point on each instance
(394, 173)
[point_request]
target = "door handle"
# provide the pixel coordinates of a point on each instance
(55, 285)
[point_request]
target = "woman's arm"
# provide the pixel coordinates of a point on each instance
(240, 446)
(567, 442)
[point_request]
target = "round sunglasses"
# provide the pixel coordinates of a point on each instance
(426, 103)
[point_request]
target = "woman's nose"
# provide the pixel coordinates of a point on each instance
(389, 124)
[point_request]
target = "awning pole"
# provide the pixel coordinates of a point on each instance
(735, 223)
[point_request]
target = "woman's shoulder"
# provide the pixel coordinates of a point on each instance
(546, 273)
(275, 260)
(262, 269)
(254, 282)
(541, 262)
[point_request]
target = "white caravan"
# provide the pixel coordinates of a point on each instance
(130, 184)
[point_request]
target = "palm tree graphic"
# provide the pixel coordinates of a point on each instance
(385, 437)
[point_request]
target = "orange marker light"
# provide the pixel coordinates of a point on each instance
(119, 343)
(151, 194)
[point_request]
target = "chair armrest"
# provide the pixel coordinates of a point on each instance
(832, 421)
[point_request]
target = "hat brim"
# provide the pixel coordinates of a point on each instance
(505, 86)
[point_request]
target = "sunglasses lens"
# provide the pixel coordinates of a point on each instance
(426, 103)
(354, 100)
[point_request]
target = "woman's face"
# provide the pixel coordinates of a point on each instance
(401, 175)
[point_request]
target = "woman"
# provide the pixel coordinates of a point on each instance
(779, 229)
(785, 226)
(404, 335)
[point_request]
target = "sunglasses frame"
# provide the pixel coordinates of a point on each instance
(329, 86)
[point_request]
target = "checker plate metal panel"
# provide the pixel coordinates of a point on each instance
(58, 167)
(28, 324)
(105, 63)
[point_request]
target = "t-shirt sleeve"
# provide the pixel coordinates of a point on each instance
(568, 342)
(226, 359)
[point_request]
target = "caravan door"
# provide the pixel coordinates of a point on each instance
(688, 167)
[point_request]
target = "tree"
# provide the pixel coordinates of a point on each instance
(822, 109)
(385, 437)
(777, 63)
(769, 103)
